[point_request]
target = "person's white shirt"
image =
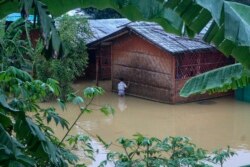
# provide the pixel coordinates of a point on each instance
(122, 86)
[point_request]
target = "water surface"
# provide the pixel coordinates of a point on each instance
(211, 124)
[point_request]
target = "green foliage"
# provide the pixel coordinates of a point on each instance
(85, 143)
(50, 114)
(9, 147)
(7, 7)
(107, 110)
(83, 103)
(151, 10)
(73, 30)
(220, 156)
(49, 33)
(57, 70)
(142, 151)
(68, 68)
(101, 14)
(222, 79)
(25, 141)
(91, 92)
(16, 50)
(2, 28)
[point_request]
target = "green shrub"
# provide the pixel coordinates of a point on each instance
(73, 64)
(143, 151)
(16, 50)
(25, 138)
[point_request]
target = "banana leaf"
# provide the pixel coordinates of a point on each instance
(230, 28)
(11, 151)
(44, 20)
(222, 79)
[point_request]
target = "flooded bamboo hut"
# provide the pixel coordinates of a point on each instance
(156, 64)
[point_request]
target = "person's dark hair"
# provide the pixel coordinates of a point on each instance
(121, 79)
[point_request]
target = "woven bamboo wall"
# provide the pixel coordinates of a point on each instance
(198, 63)
(147, 68)
(178, 99)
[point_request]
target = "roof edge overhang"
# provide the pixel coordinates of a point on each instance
(125, 30)
(108, 38)
(168, 51)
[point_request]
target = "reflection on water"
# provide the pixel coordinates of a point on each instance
(122, 106)
(210, 124)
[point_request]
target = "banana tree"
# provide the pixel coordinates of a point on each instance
(42, 17)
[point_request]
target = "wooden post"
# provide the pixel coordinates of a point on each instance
(97, 68)
(173, 71)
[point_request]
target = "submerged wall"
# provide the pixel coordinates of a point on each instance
(192, 64)
(147, 69)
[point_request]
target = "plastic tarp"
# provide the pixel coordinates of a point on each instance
(15, 16)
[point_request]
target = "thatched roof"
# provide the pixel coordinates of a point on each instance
(155, 34)
(103, 27)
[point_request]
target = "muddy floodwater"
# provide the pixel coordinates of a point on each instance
(211, 124)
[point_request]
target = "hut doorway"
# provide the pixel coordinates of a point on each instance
(91, 69)
(105, 62)
(99, 67)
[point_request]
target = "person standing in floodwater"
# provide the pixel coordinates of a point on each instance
(121, 87)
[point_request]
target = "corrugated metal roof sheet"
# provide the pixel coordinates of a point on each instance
(103, 27)
(172, 43)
